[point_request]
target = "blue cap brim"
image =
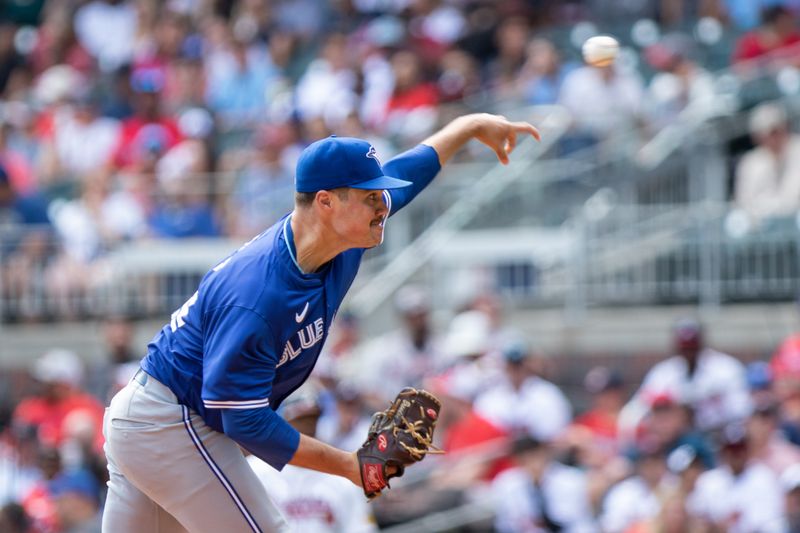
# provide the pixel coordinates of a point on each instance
(380, 183)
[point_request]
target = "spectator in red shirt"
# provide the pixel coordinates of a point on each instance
(61, 400)
(777, 36)
(411, 111)
(149, 133)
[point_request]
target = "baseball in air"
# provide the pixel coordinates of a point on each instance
(600, 50)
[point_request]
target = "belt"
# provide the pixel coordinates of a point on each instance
(140, 377)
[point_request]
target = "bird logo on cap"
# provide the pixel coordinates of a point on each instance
(373, 154)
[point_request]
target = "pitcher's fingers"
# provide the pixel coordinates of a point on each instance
(501, 154)
(511, 141)
(524, 127)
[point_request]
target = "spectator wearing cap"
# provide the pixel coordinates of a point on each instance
(77, 498)
(741, 495)
(766, 440)
(712, 383)
(522, 402)
(310, 500)
(402, 357)
(687, 464)
(608, 396)
(668, 426)
(768, 176)
(540, 494)
(60, 373)
(149, 133)
(638, 499)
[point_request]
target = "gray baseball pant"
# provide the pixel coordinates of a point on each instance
(170, 472)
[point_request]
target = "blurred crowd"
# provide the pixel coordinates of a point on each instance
(123, 120)
(697, 442)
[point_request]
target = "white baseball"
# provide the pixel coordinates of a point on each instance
(600, 50)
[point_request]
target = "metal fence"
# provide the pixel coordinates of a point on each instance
(633, 255)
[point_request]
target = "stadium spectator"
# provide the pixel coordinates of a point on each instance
(327, 88)
(150, 132)
(120, 361)
(475, 447)
(60, 373)
(80, 144)
(523, 402)
(712, 383)
(604, 102)
(776, 39)
(239, 88)
(668, 426)
(767, 443)
(76, 494)
(785, 368)
(768, 177)
(681, 87)
(57, 42)
(637, 499)
(309, 500)
(741, 495)
(264, 186)
(345, 426)
(504, 70)
(402, 357)
(411, 112)
(541, 494)
(38, 501)
(543, 73)
(679, 510)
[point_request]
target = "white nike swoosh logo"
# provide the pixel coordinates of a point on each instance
(298, 317)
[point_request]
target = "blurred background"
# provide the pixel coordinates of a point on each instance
(611, 320)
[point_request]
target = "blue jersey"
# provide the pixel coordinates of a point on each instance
(252, 332)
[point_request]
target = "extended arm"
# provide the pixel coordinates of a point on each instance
(495, 131)
(421, 164)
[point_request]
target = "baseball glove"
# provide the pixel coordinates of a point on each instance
(398, 437)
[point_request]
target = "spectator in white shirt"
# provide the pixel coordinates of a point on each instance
(399, 358)
(712, 383)
(603, 101)
(523, 402)
(541, 494)
(768, 176)
(310, 500)
(740, 495)
(638, 499)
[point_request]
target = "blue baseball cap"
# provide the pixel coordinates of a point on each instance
(336, 162)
